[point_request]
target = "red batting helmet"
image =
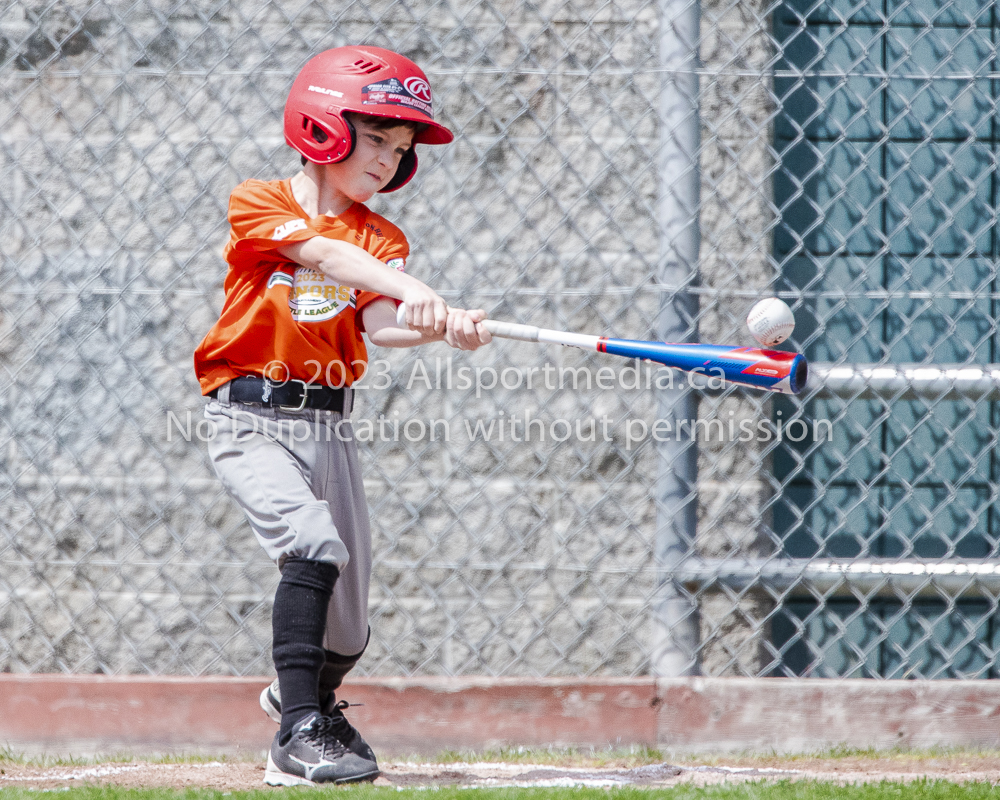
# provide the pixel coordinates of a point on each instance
(366, 80)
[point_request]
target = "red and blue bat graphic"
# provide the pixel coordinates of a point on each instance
(771, 370)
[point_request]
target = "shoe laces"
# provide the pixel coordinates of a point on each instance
(321, 733)
(342, 729)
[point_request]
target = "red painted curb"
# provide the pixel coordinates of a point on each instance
(801, 715)
(76, 714)
(83, 713)
(430, 714)
(88, 713)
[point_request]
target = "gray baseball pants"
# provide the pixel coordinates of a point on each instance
(297, 478)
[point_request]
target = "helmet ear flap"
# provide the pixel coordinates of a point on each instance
(407, 167)
(351, 135)
(331, 141)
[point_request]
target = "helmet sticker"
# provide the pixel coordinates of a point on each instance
(415, 94)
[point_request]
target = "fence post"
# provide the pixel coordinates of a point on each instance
(675, 625)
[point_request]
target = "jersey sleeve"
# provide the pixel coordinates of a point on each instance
(262, 219)
(392, 253)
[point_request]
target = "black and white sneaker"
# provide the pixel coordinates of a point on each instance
(313, 754)
(270, 701)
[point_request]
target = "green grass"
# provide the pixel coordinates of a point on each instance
(840, 752)
(803, 790)
(638, 756)
(550, 756)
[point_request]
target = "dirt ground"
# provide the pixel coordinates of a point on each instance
(236, 775)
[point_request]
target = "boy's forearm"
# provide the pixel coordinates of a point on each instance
(350, 265)
(398, 337)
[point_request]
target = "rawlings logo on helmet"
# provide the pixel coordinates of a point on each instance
(323, 90)
(394, 92)
(419, 88)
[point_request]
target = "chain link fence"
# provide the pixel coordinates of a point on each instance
(636, 168)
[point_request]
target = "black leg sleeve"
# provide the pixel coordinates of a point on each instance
(298, 622)
(336, 667)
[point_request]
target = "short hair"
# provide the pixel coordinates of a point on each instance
(385, 123)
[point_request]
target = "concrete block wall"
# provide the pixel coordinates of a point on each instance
(127, 126)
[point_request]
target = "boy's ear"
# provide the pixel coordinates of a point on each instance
(407, 166)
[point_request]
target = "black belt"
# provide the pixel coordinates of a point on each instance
(294, 395)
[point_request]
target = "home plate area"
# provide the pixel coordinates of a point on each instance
(245, 775)
(238, 775)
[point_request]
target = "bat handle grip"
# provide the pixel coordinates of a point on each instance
(511, 330)
(502, 330)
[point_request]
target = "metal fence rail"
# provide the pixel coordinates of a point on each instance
(646, 169)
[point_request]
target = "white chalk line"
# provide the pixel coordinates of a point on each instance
(573, 776)
(102, 772)
(742, 770)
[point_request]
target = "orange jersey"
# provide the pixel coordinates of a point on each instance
(279, 313)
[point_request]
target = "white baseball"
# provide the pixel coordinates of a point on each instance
(771, 321)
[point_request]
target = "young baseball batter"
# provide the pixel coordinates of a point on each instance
(310, 269)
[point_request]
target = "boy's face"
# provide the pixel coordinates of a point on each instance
(373, 163)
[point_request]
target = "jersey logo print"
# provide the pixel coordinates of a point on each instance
(279, 278)
(288, 228)
(315, 297)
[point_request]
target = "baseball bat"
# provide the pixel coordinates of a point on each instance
(771, 370)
